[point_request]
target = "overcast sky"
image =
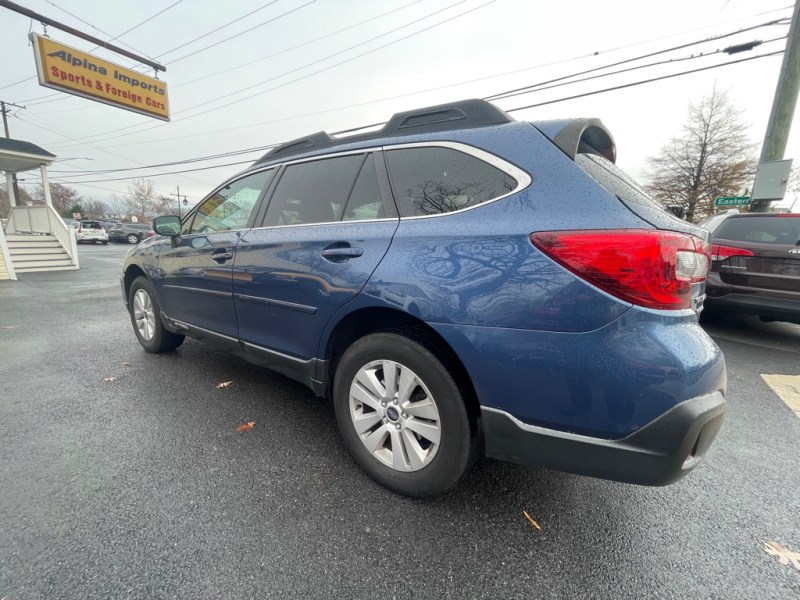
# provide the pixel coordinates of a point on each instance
(310, 65)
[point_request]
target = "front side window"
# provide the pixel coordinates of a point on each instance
(230, 207)
(314, 192)
(436, 180)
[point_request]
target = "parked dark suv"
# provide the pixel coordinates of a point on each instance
(132, 233)
(457, 283)
(755, 265)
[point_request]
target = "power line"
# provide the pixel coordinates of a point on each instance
(207, 33)
(542, 86)
(707, 40)
(384, 99)
(563, 99)
(295, 47)
(58, 96)
(242, 65)
(267, 22)
(85, 143)
(299, 68)
(649, 55)
(95, 27)
(627, 85)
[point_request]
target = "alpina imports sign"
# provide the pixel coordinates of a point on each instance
(69, 70)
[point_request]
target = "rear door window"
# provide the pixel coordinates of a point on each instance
(761, 230)
(314, 192)
(436, 180)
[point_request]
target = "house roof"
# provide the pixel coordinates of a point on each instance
(19, 155)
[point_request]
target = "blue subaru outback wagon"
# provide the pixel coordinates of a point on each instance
(457, 283)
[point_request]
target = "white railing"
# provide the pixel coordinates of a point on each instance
(43, 220)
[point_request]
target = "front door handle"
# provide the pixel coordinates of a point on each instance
(222, 255)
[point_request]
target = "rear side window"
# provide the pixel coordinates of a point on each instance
(761, 230)
(314, 192)
(435, 180)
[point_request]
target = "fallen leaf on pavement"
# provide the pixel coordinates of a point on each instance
(224, 384)
(534, 523)
(245, 426)
(126, 364)
(109, 378)
(785, 556)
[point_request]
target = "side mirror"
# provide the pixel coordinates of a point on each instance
(168, 225)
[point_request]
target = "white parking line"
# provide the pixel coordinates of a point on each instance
(788, 389)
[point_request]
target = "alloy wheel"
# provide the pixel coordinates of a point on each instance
(144, 315)
(395, 416)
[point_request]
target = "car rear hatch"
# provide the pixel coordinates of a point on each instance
(758, 251)
(591, 146)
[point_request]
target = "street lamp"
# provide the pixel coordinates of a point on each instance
(179, 201)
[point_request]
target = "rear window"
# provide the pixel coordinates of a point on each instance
(615, 180)
(91, 225)
(761, 230)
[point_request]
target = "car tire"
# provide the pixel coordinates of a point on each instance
(133, 238)
(418, 444)
(104, 243)
(146, 319)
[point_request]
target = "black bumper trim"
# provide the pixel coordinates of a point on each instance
(661, 452)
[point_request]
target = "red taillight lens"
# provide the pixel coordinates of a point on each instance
(654, 269)
(719, 252)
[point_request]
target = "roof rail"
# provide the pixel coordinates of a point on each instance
(464, 114)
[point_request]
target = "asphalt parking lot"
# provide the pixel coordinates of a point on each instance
(140, 487)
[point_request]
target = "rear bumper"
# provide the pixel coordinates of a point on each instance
(661, 452)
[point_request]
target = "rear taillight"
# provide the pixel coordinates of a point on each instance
(654, 269)
(719, 252)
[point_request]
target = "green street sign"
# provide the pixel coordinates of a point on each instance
(731, 200)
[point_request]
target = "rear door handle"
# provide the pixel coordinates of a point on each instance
(347, 252)
(340, 252)
(222, 255)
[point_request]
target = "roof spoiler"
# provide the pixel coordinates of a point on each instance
(580, 135)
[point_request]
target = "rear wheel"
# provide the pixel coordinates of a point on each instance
(104, 242)
(133, 238)
(402, 415)
(146, 319)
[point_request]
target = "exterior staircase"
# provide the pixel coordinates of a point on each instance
(32, 253)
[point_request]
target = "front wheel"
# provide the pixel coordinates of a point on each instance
(402, 415)
(104, 242)
(133, 238)
(146, 319)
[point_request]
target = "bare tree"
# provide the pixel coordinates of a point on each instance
(166, 205)
(94, 209)
(711, 157)
(5, 203)
(141, 200)
(63, 197)
(117, 207)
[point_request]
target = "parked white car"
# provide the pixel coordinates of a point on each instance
(91, 231)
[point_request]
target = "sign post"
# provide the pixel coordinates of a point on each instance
(70, 70)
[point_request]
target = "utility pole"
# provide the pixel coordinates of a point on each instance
(5, 112)
(179, 201)
(783, 104)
